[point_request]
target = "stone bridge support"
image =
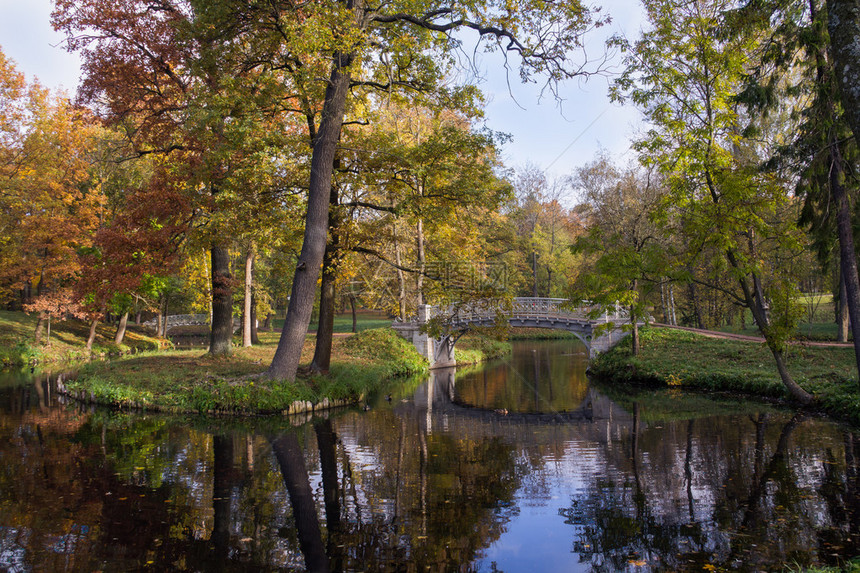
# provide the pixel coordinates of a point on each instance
(439, 352)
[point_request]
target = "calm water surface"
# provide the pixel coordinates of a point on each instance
(517, 466)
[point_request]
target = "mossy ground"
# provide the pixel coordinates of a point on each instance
(67, 341)
(194, 381)
(672, 358)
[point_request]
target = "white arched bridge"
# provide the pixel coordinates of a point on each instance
(529, 312)
(177, 320)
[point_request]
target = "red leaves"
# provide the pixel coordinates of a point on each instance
(60, 304)
(142, 239)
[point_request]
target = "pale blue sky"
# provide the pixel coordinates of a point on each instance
(557, 140)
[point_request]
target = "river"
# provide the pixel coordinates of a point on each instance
(518, 465)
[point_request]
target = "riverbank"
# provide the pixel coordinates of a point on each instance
(192, 381)
(680, 359)
(67, 341)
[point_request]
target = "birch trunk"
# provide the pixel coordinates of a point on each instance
(248, 301)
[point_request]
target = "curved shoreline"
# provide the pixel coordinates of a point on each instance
(189, 382)
(686, 359)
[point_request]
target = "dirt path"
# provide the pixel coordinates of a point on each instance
(731, 336)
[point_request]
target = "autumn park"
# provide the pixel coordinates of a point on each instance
(274, 296)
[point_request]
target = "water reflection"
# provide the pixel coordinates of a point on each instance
(538, 376)
(423, 482)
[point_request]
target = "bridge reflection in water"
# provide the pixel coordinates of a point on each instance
(438, 405)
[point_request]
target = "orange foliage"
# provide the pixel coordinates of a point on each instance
(49, 212)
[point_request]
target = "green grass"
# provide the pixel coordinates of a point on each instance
(365, 320)
(521, 333)
(852, 566)
(672, 358)
(474, 348)
(193, 381)
(67, 341)
(818, 322)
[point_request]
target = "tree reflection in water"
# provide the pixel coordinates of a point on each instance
(423, 483)
(750, 507)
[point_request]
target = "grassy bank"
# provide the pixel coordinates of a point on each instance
(474, 349)
(193, 381)
(522, 333)
(67, 341)
(672, 358)
(365, 320)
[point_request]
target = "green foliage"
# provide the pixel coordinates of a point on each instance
(731, 217)
(343, 322)
(681, 359)
(473, 349)
(625, 255)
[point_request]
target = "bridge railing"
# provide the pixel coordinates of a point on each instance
(540, 307)
(484, 311)
(179, 320)
(520, 307)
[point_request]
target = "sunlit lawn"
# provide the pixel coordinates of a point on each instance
(682, 359)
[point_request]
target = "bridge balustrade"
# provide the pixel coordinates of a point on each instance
(175, 320)
(528, 312)
(521, 307)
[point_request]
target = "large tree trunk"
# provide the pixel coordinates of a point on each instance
(672, 306)
(159, 317)
(286, 360)
(120, 329)
(844, 28)
(92, 337)
(221, 338)
(255, 339)
(325, 329)
(847, 256)
(248, 301)
(354, 317)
